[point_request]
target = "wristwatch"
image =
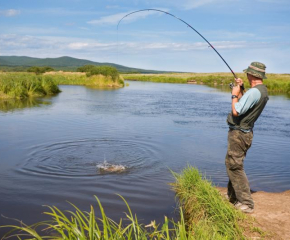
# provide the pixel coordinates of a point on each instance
(234, 96)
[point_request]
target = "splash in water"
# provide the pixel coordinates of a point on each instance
(106, 167)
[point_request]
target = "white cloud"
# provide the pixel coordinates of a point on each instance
(115, 18)
(11, 42)
(78, 45)
(9, 12)
(157, 55)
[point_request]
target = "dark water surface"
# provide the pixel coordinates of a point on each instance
(49, 152)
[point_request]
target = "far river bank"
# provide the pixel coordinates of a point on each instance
(276, 83)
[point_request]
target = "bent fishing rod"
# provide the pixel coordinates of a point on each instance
(188, 25)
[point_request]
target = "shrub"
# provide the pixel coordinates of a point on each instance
(39, 70)
(86, 68)
(106, 71)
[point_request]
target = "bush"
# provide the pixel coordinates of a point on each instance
(86, 68)
(106, 71)
(39, 70)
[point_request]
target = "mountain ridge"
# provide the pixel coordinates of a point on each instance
(62, 63)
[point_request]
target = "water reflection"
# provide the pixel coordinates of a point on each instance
(102, 88)
(11, 105)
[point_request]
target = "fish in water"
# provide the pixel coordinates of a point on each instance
(106, 167)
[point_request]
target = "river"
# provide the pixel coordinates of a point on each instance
(50, 149)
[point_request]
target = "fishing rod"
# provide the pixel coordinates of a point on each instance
(188, 25)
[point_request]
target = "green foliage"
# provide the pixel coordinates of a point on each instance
(86, 68)
(92, 225)
(23, 85)
(13, 69)
(39, 70)
(106, 71)
(15, 85)
(207, 214)
(83, 79)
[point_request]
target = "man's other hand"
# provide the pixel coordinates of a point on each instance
(239, 81)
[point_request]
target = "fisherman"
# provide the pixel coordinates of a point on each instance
(246, 108)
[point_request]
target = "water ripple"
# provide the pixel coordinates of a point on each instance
(83, 158)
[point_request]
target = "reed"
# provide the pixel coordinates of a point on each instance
(24, 85)
(78, 224)
(78, 78)
(208, 215)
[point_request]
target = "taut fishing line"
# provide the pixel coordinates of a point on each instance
(157, 10)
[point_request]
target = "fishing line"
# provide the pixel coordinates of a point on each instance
(157, 10)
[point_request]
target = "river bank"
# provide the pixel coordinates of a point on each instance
(276, 83)
(272, 213)
(81, 78)
(25, 85)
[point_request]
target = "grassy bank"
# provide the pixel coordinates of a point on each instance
(24, 85)
(77, 78)
(204, 214)
(276, 83)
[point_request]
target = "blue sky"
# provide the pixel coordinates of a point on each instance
(241, 30)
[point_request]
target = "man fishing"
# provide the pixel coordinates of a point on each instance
(246, 108)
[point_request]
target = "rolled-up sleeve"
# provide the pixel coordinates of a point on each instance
(247, 101)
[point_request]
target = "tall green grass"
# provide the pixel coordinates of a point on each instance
(207, 214)
(99, 80)
(82, 225)
(276, 83)
(23, 85)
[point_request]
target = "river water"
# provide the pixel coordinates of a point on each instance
(50, 149)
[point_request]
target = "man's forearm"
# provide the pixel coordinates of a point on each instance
(235, 113)
(236, 91)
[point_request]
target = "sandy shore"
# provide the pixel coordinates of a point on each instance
(272, 213)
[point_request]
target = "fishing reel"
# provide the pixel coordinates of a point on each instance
(232, 85)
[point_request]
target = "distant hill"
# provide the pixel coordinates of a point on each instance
(61, 63)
